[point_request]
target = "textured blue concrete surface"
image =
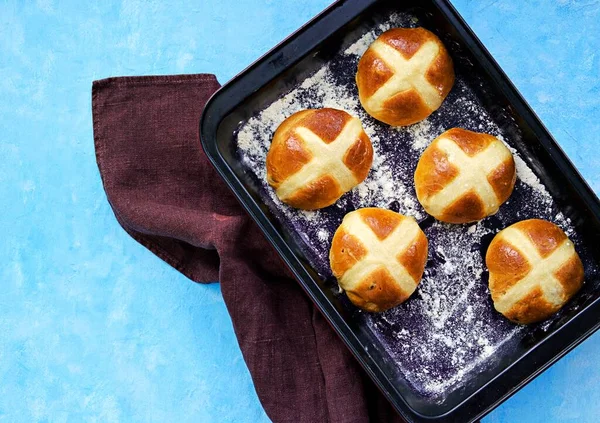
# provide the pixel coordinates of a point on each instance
(95, 328)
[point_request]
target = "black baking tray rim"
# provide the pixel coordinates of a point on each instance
(290, 51)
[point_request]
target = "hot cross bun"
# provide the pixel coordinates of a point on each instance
(464, 176)
(378, 257)
(316, 156)
(534, 270)
(404, 76)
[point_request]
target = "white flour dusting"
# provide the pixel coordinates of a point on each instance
(448, 329)
(449, 298)
(323, 235)
(381, 186)
(421, 134)
(524, 172)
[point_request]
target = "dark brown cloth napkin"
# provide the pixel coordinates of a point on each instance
(167, 196)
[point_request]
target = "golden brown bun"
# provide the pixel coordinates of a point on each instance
(378, 257)
(404, 76)
(316, 156)
(464, 176)
(534, 270)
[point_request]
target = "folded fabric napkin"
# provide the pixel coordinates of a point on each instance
(167, 196)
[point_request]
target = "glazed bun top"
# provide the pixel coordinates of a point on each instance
(316, 156)
(534, 270)
(464, 176)
(378, 257)
(404, 76)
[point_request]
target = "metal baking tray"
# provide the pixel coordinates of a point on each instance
(483, 98)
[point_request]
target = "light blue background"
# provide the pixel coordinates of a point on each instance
(93, 327)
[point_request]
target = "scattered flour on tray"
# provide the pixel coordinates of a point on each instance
(323, 235)
(448, 329)
(525, 174)
(380, 188)
(456, 338)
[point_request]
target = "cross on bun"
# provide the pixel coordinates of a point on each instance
(378, 257)
(534, 270)
(464, 176)
(316, 156)
(404, 76)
